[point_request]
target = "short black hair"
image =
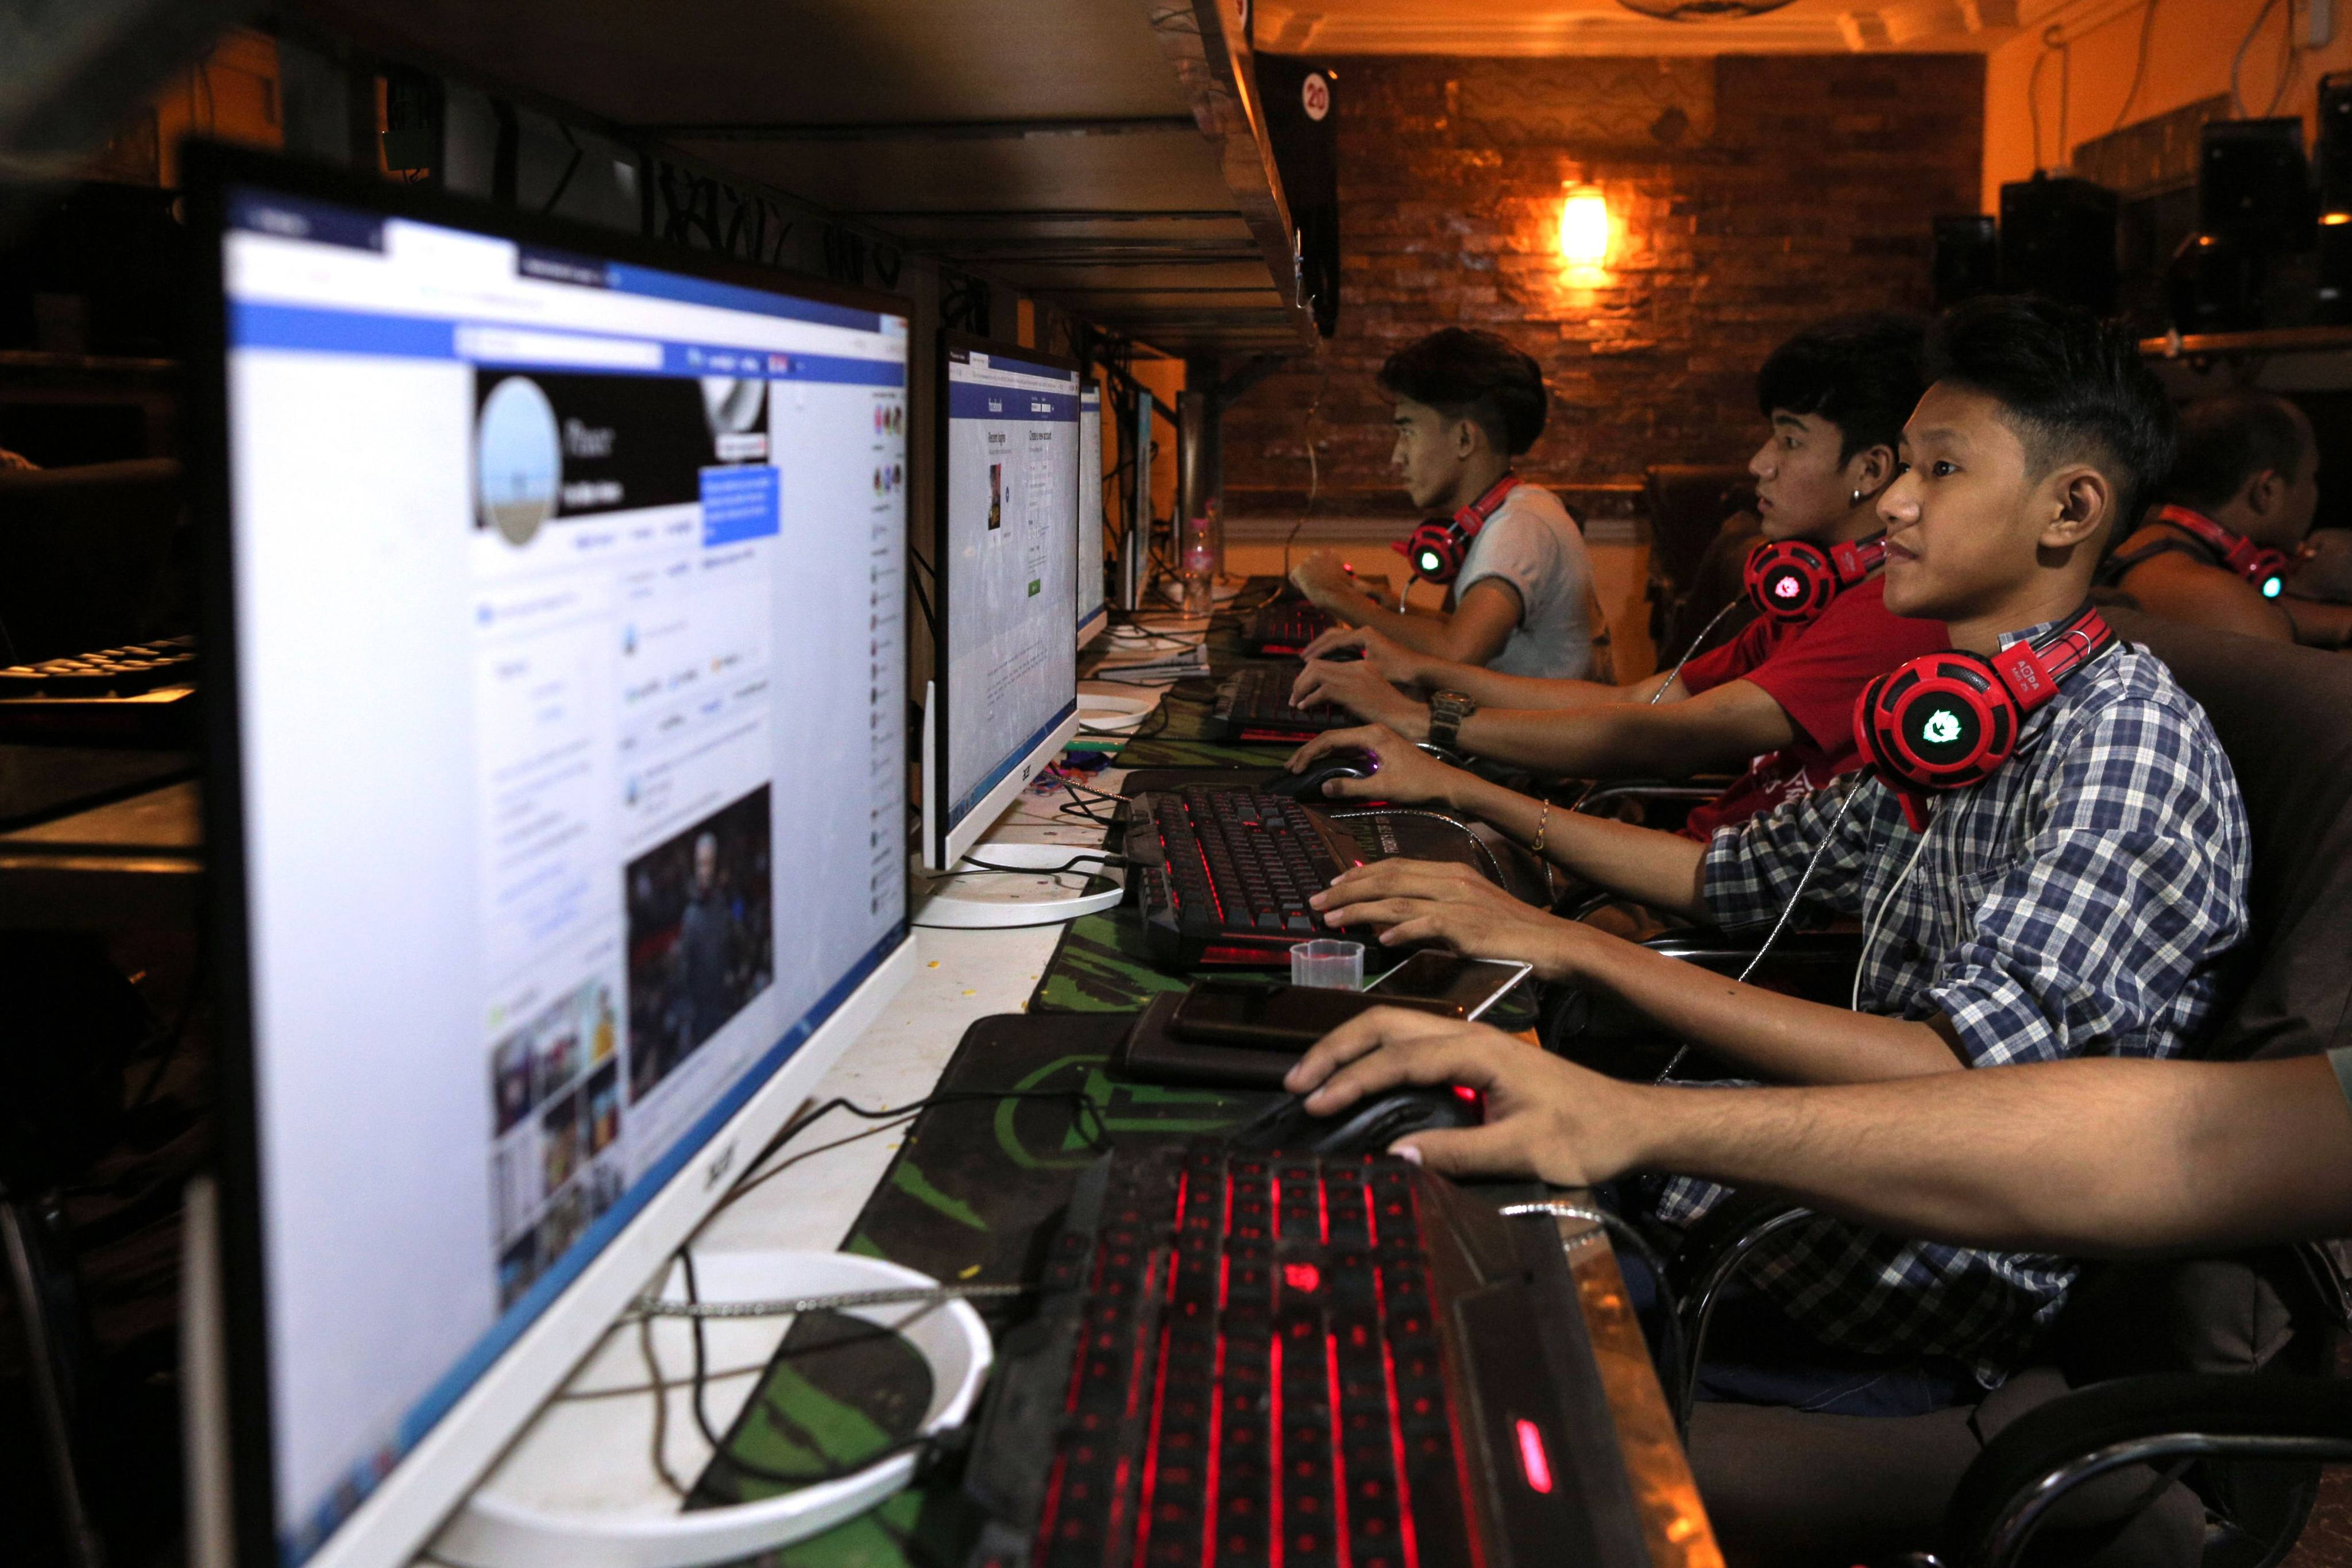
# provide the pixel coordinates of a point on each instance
(1861, 372)
(2072, 388)
(2227, 439)
(1473, 375)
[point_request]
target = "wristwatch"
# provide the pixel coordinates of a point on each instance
(1447, 711)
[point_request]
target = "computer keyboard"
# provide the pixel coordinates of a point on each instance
(115, 671)
(1284, 628)
(1224, 874)
(1253, 704)
(1261, 1359)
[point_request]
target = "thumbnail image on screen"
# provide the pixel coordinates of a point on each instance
(702, 936)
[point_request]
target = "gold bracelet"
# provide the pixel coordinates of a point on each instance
(1543, 823)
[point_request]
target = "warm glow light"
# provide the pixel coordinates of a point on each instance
(2331, 220)
(1584, 226)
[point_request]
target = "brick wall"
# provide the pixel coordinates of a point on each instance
(1754, 194)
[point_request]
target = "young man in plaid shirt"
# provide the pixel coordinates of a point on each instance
(2074, 903)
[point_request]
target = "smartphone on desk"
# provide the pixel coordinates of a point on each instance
(1288, 1018)
(1470, 985)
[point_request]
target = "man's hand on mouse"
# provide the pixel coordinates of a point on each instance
(1364, 691)
(1424, 900)
(1406, 772)
(1545, 1117)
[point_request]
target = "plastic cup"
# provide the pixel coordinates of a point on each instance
(1334, 965)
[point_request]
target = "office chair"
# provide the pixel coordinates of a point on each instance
(1688, 506)
(85, 556)
(2105, 1426)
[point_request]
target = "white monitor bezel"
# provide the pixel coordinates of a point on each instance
(401, 1514)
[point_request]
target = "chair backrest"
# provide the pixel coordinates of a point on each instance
(2284, 715)
(1688, 502)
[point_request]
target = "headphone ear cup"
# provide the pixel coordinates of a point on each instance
(1435, 550)
(1789, 579)
(1942, 721)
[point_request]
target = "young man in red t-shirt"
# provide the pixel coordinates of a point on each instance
(1775, 704)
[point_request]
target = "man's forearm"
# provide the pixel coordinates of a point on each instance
(1492, 689)
(1783, 1037)
(2097, 1157)
(1617, 742)
(1422, 633)
(2318, 623)
(1660, 869)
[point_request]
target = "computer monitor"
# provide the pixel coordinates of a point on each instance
(555, 801)
(1005, 698)
(1094, 611)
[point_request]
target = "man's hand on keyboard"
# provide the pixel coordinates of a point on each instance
(1423, 900)
(1378, 652)
(1545, 1117)
(1364, 691)
(1406, 773)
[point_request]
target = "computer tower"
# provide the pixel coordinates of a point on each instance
(2058, 240)
(2254, 185)
(1302, 123)
(2335, 261)
(1966, 261)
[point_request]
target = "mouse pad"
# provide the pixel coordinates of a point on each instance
(969, 1196)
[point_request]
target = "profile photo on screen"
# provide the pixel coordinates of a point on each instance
(702, 936)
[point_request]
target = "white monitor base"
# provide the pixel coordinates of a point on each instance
(1100, 713)
(493, 1529)
(980, 898)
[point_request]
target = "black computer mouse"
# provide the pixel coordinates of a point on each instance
(1367, 1127)
(1344, 765)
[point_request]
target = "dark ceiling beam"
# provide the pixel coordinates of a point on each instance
(1049, 215)
(923, 130)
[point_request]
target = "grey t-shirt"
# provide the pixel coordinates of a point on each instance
(1533, 545)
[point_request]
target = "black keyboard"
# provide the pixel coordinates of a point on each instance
(1253, 1359)
(1223, 875)
(1284, 628)
(1253, 704)
(114, 671)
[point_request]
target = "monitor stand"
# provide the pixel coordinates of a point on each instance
(496, 1528)
(1102, 714)
(973, 897)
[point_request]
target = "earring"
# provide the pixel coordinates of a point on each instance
(1857, 498)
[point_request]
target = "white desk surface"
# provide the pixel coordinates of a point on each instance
(589, 1447)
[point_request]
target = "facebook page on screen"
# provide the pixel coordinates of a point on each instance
(571, 676)
(1011, 519)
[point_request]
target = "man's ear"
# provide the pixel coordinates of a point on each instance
(2264, 491)
(1467, 438)
(2082, 502)
(1872, 469)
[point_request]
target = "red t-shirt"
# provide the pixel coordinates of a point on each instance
(1814, 672)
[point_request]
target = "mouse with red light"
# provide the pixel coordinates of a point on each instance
(1367, 1127)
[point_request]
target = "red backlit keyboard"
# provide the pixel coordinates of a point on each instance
(1284, 628)
(1223, 875)
(1268, 1358)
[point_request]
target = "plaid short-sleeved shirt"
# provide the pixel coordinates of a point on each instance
(2075, 903)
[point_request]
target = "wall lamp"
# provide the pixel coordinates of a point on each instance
(1583, 226)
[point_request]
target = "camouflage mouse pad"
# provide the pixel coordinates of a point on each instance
(971, 1195)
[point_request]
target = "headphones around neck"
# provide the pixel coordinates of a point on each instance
(1439, 546)
(1949, 720)
(1794, 580)
(2258, 564)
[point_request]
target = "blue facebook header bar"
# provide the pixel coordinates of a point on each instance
(979, 400)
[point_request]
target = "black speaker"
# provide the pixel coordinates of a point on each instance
(1966, 258)
(1302, 125)
(2254, 185)
(2058, 240)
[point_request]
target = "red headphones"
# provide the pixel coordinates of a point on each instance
(1438, 546)
(1948, 720)
(2264, 568)
(1795, 580)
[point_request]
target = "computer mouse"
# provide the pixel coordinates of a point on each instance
(1344, 765)
(1367, 1127)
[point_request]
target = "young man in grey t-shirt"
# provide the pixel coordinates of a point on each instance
(1522, 600)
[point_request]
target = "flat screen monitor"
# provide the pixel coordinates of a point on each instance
(1094, 612)
(1006, 695)
(555, 795)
